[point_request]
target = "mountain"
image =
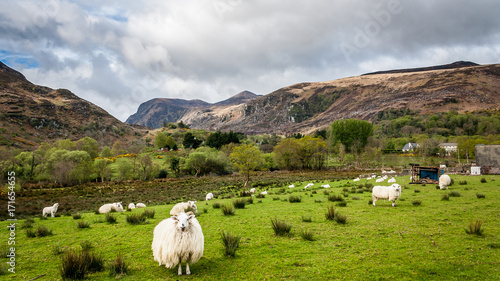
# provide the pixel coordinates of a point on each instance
(308, 107)
(154, 113)
(31, 114)
(457, 64)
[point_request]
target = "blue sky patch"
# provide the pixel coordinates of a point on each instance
(12, 59)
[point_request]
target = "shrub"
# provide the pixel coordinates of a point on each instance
(480, 195)
(117, 266)
(454, 194)
(475, 228)
(136, 219)
(306, 219)
(110, 218)
(330, 213)
(307, 235)
(239, 203)
(294, 199)
(43, 231)
(416, 202)
(231, 243)
(83, 224)
(280, 228)
(148, 214)
(483, 180)
(335, 198)
(445, 197)
(216, 205)
(227, 210)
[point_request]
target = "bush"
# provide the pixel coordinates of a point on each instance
(294, 199)
(307, 235)
(227, 210)
(239, 203)
(110, 218)
(231, 243)
(417, 190)
(83, 224)
(135, 219)
(118, 266)
(57, 250)
(260, 196)
(454, 194)
(280, 228)
(475, 228)
(480, 195)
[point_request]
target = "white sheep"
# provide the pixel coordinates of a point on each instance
(210, 196)
(106, 208)
(356, 179)
(326, 185)
(50, 210)
(391, 193)
(140, 205)
(263, 192)
(291, 186)
(380, 180)
(309, 185)
(183, 207)
(252, 190)
(131, 206)
(177, 239)
(444, 181)
(391, 180)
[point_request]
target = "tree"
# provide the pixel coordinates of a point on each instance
(247, 158)
(218, 139)
(347, 131)
(312, 152)
(285, 153)
(125, 168)
(190, 141)
(196, 160)
(102, 169)
(66, 144)
(89, 145)
(117, 148)
(146, 167)
(106, 152)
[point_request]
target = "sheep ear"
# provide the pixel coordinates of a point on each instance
(174, 218)
(190, 215)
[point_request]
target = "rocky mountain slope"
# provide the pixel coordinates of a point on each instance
(308, 107)
(31, 114)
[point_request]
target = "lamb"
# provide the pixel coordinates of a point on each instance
(183, 207)
(391, 193)
(391, 180)
(50, 210)
(263, 192)
(309, 185)
(131, 206)
(356, 179)
(210, 196)
(177, 239)
(140, 205)
(380, 180)
(106, 208)
(291, 186)
(252, 190)
(326, 185)
(444, 181)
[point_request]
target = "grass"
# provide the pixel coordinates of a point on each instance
(377, 243)
(83, 224)
(230, 242)
(280, 228)
(110, 218)
(135, 219)
(227, 210)
(307, 235)
(118, 266)
(475, 227)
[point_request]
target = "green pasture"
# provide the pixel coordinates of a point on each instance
(412, 241)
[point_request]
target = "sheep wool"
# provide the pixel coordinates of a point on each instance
(106, 208)
(444, 181)
(391, 193)
(131, 206)
(50, 210)
(210, 196)
(183, 207)
(391, 180)
(140, 205)
(252, 190)
(177, 239)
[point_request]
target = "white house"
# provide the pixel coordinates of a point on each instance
(410, 146)
(449, 147)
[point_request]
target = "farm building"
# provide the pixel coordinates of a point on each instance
(488, 158)
(425, 174)
(410, 147)
(449, 147)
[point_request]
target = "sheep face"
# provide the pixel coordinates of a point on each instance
(119, 205)
(182, 220)
(56, 205)
(396, 187)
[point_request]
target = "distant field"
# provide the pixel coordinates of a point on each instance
(412, 241)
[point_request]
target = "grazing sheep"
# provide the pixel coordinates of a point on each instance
(252, 190)
(380, 180)
(291, 186)
(106, 208)
(131, 206)
(140, 205)
(444, 181)
(356, 179)
(50, 210)
(391, 180)
(391, 193)
(177, 239)
(210, 196)
(263, 192)
(183, 207)
(326, 185)
(309, 185)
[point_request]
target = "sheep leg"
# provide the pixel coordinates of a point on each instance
(188, 272)
(374, 199)
(52, 214)
(179, 272)
(394, 203)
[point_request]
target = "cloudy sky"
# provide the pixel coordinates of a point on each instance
(118, 54)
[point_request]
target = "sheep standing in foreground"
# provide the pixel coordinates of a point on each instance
(183, 207)
(177, 239)
(444, 181)
(140, 205)
(106, 208)
(50, 210)
(131, 206)
(210, 196)
(391, 193)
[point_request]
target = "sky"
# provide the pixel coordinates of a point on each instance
(119, 54)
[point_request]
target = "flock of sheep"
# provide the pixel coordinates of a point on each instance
(180, 238)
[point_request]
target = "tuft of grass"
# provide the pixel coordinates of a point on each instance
(417, 190)
(135, 219)
(341, 204)
(340, 219)
(75, 265)
(30, 233)
(475, 228)
(483, 180)
(77, 216)
(148, 214)
(227, 210)
(307, 235)
(280, 228)
(306, 219)
(216, 205)
(118, 266)
(464, 182)
(249, 200)
(43, 231)
(110, 218)
(454, 194)
(330, 213)
(370, 202)
(335, 198)
(83, 224)
(239, 203)
(231, 243)
(57, 249)
(294, 199)
(480, 195)
(28, 223)
(416, 202)
(86, 246)
(445, 197)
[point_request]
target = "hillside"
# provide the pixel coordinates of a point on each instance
(31, 114)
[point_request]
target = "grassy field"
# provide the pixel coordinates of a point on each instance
(412, 241)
